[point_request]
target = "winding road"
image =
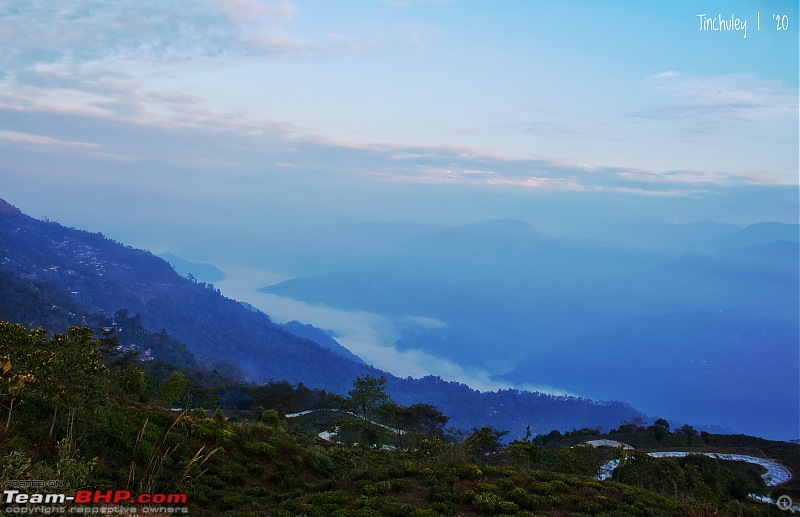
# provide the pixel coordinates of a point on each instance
(775, 474)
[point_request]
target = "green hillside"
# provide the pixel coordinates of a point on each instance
(77, 412)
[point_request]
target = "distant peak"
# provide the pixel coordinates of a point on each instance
(7, 208)
(502, 225)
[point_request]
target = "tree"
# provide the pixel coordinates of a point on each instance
(687, 431)
(172, 388)
(206, 398)
(576, 460)
(419, 421)
(71, 373)
(660, 429)
(366, 400)
(130, 381)
(523, 453)
(484, 442)
(661, 423)
(631, 425)
(12, 384)
(20, 361)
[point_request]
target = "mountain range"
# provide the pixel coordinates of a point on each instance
(695, 321)
(54, 276)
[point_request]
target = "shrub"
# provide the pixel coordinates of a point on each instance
(378, 474)
(532, 502)
(324, 464)
(365, 501)
(555, 500)
(443, 494)
(395, 509)
(508, 482)
(257, 491)
(487, 487)
(507, 507)
(259, 449)
(444, 507)
(379, 487)
(329, 497)
(468, 472)
(517, 494)
(233, 501)
(486, 503)
(551, 487)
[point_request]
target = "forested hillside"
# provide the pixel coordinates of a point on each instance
(54, 276)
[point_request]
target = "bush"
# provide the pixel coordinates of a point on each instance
(468, 472)
(233, 501)
(551, 487)
(507, 507)
(329, 497)
(324, 464)
(517, 494)
(395, 509)
(486, 503)
(379, 487)
(366, 501)
(444, 507)
(487, 487)
(259, 449)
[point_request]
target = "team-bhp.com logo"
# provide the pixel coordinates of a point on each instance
(122, 502)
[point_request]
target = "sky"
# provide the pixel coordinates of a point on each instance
(157, 121)
(175, 125)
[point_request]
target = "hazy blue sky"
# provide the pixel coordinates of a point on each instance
(175, 125)
(156, 120)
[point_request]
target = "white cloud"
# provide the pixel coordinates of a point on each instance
(424, 322)
(16, 136)
(735, 95)
(253, 11)
(57, 146)
(369, 336)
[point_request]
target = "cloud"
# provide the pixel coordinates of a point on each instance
(423, 322)
(150, 32)
(253, 11)
(414, 3)
(103, 59)
(57, 146)
(16, 136)
(465, 166)
(736, 96)
(370, 336)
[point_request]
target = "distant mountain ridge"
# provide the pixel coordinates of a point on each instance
(759, 233)
(200, 271)
(320, 337)
(509, 297)
(73, 271)
(7, 208)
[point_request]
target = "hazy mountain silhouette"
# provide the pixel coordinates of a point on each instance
(504, 292)
(56, 276)
(201, 271)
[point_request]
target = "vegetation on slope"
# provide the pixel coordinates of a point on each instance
(78, 412)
